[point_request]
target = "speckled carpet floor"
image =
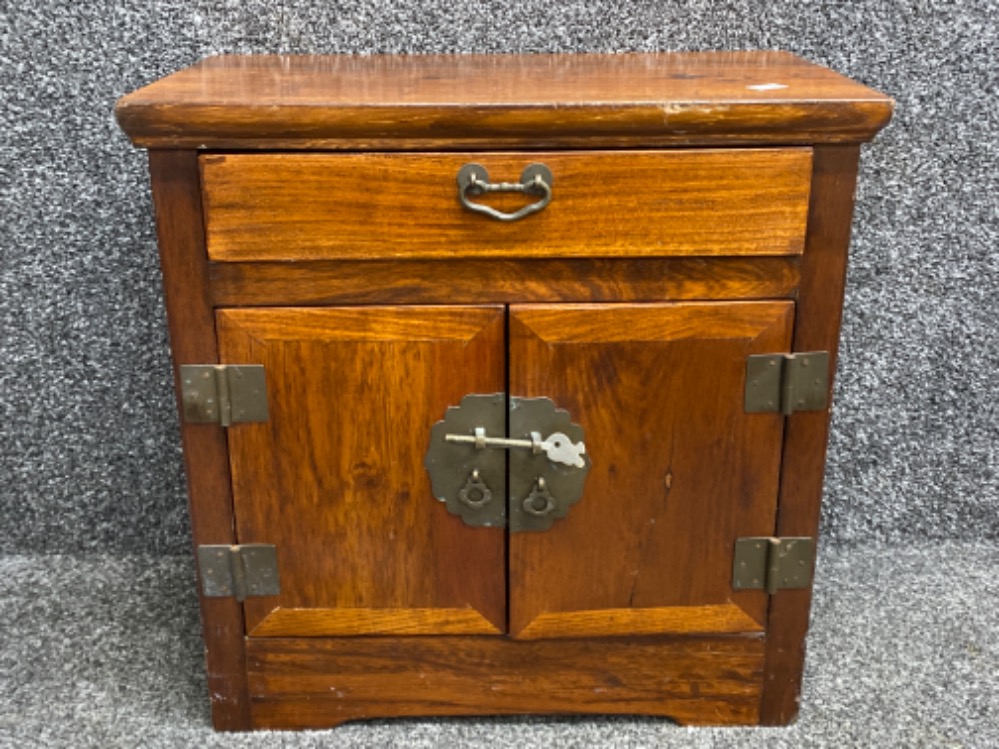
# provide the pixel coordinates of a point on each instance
(106, 652)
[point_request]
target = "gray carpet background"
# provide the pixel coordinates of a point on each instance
(99, 642)
(112, 658)
(90, 459)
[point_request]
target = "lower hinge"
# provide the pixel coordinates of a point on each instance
(223, 393)
(239, 572)
(773, 563)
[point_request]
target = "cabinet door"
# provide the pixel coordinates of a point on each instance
(335, 479)
(679, 470)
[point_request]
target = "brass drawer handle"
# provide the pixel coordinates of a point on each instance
(473, 180)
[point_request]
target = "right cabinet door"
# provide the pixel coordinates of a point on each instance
(678, 471)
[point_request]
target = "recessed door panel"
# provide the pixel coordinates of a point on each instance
(677, 472)
(335, 478)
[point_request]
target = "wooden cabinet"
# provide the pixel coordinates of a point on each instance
(670, 299)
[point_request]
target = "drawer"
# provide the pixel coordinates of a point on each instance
(314, 206)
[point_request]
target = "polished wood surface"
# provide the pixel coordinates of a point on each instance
(461, 101)
(316, 683)
(644, 204)
(347, 621)
(335, 478)
(180, 231)
(481, 281)
(714, 619)
(820, 309)
(679, 470)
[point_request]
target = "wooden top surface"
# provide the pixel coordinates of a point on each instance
(267, 101)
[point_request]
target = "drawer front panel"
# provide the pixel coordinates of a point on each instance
(262, 207)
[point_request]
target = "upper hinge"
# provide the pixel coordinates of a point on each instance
(786, 383)
(772, 563)
(223, 393)
(238, 571)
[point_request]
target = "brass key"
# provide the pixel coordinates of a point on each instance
(557, 446)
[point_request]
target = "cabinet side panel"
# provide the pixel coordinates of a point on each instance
(319, 683)
(180, 228)
(823, 275)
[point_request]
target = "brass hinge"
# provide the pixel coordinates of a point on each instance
(239, 572)
(773, 563)
(786, 383)
(223, 393)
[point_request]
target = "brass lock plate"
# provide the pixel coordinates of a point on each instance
(525, 479)
(562, 479)
(451, 466)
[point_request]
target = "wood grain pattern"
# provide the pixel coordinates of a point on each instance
(320, 683)
(472, 281)
(679, 470)
(345, 622)
(820, 309)
(180, 230)
(335, 478)
(716, 619)
(263, 207)
(501, 101)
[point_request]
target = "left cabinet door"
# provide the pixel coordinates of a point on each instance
(335, 478)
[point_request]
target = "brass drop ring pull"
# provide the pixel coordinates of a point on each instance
(540, 501)
(475, 493)
(473, 181)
